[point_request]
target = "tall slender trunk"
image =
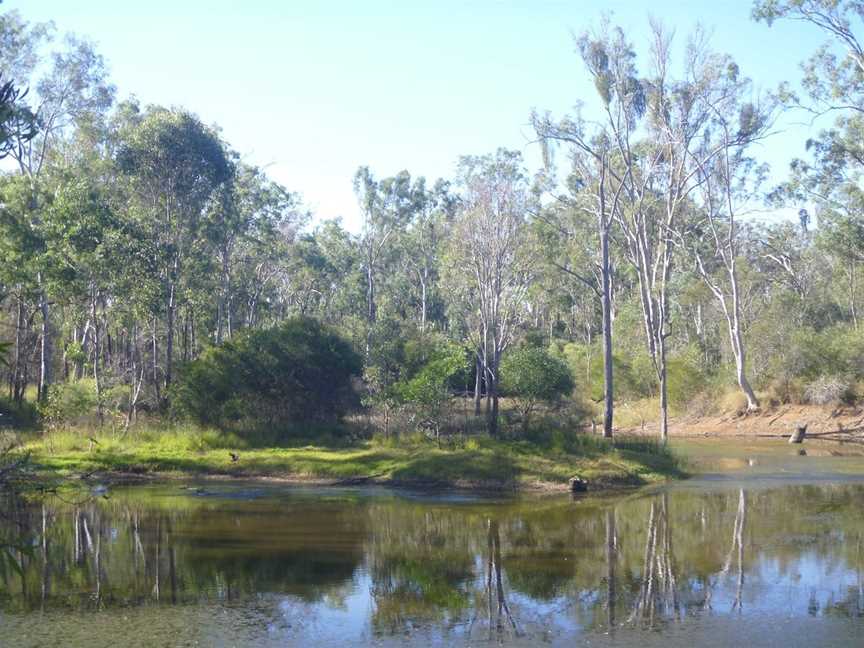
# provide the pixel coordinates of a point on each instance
(96, 344)
(371, 311)
(45, 349)
(737, 339)
(662, 375)
(155, 359)
(853, 311)
(477, 385)
(606, 289)
(423, 280)
(492, 395)
(16, 390)
(169, 335)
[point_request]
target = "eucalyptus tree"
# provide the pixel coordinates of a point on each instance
(174, 166)
(725, 183)
(250, 223)
(387, 206)
(842, 242)
(833, 84)
(597, 196)
(81, 236)
(599, 182)
(489, 266)
(423, 239)
(73, 89)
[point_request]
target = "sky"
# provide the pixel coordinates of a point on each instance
(313, 90)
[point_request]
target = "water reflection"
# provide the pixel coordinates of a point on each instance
(308, 565)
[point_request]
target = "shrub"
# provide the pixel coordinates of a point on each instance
(67, 403)
(827, 390)
(530, 375)
(297, 374)
(428, 392)
(685, 377)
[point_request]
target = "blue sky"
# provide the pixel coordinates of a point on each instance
(312, 90)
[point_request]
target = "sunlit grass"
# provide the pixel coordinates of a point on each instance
(473, 461)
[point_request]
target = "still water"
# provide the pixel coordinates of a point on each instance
(764, 548)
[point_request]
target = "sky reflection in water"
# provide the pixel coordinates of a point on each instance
(706, 563)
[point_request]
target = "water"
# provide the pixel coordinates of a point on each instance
(766, 548)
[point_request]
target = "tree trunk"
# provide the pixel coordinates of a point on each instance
(370, 307)
(477, 386)
(96, 342)
(169, 336)
(853, 311)
(45, 344)
(737, 340)
(664, 390)
(155, 360)
(492, 399)
(606, 288)
(423, 302)
(17, 391)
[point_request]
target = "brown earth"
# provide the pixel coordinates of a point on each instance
(823, 422)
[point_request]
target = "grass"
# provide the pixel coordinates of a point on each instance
(478, 461)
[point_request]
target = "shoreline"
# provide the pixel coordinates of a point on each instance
(492, 466)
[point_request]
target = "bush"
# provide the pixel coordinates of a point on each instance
(428, 392)
(827, 390)
(67, 403)
(297, 374)
(530, 375)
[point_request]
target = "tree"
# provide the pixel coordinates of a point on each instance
(598, 190)
(531, 376)
(490, 269)
(387, 206)
(834, 84)
(74, 91)
(174, 165)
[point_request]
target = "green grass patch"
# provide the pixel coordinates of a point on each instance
(475, 461)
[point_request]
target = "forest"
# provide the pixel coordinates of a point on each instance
(150, 278)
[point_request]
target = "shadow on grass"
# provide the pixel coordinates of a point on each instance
(460, 466)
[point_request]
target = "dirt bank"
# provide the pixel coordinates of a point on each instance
(823, 422)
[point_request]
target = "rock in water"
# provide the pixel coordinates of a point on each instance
(577, 485)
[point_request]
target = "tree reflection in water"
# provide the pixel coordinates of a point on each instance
(500, 572)
(500, 618)
(658, 593)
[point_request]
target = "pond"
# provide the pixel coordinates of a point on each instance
(764, 548)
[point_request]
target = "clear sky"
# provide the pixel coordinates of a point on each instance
(312, 90)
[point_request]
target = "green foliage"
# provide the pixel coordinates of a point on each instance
(68, 403)
(685, 376)
(532, 375)
(428, 393)
(22, 415)
(297, 374)
(633, 377)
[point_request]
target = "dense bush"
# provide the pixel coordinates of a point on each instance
(297, 374)
(530, 375)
